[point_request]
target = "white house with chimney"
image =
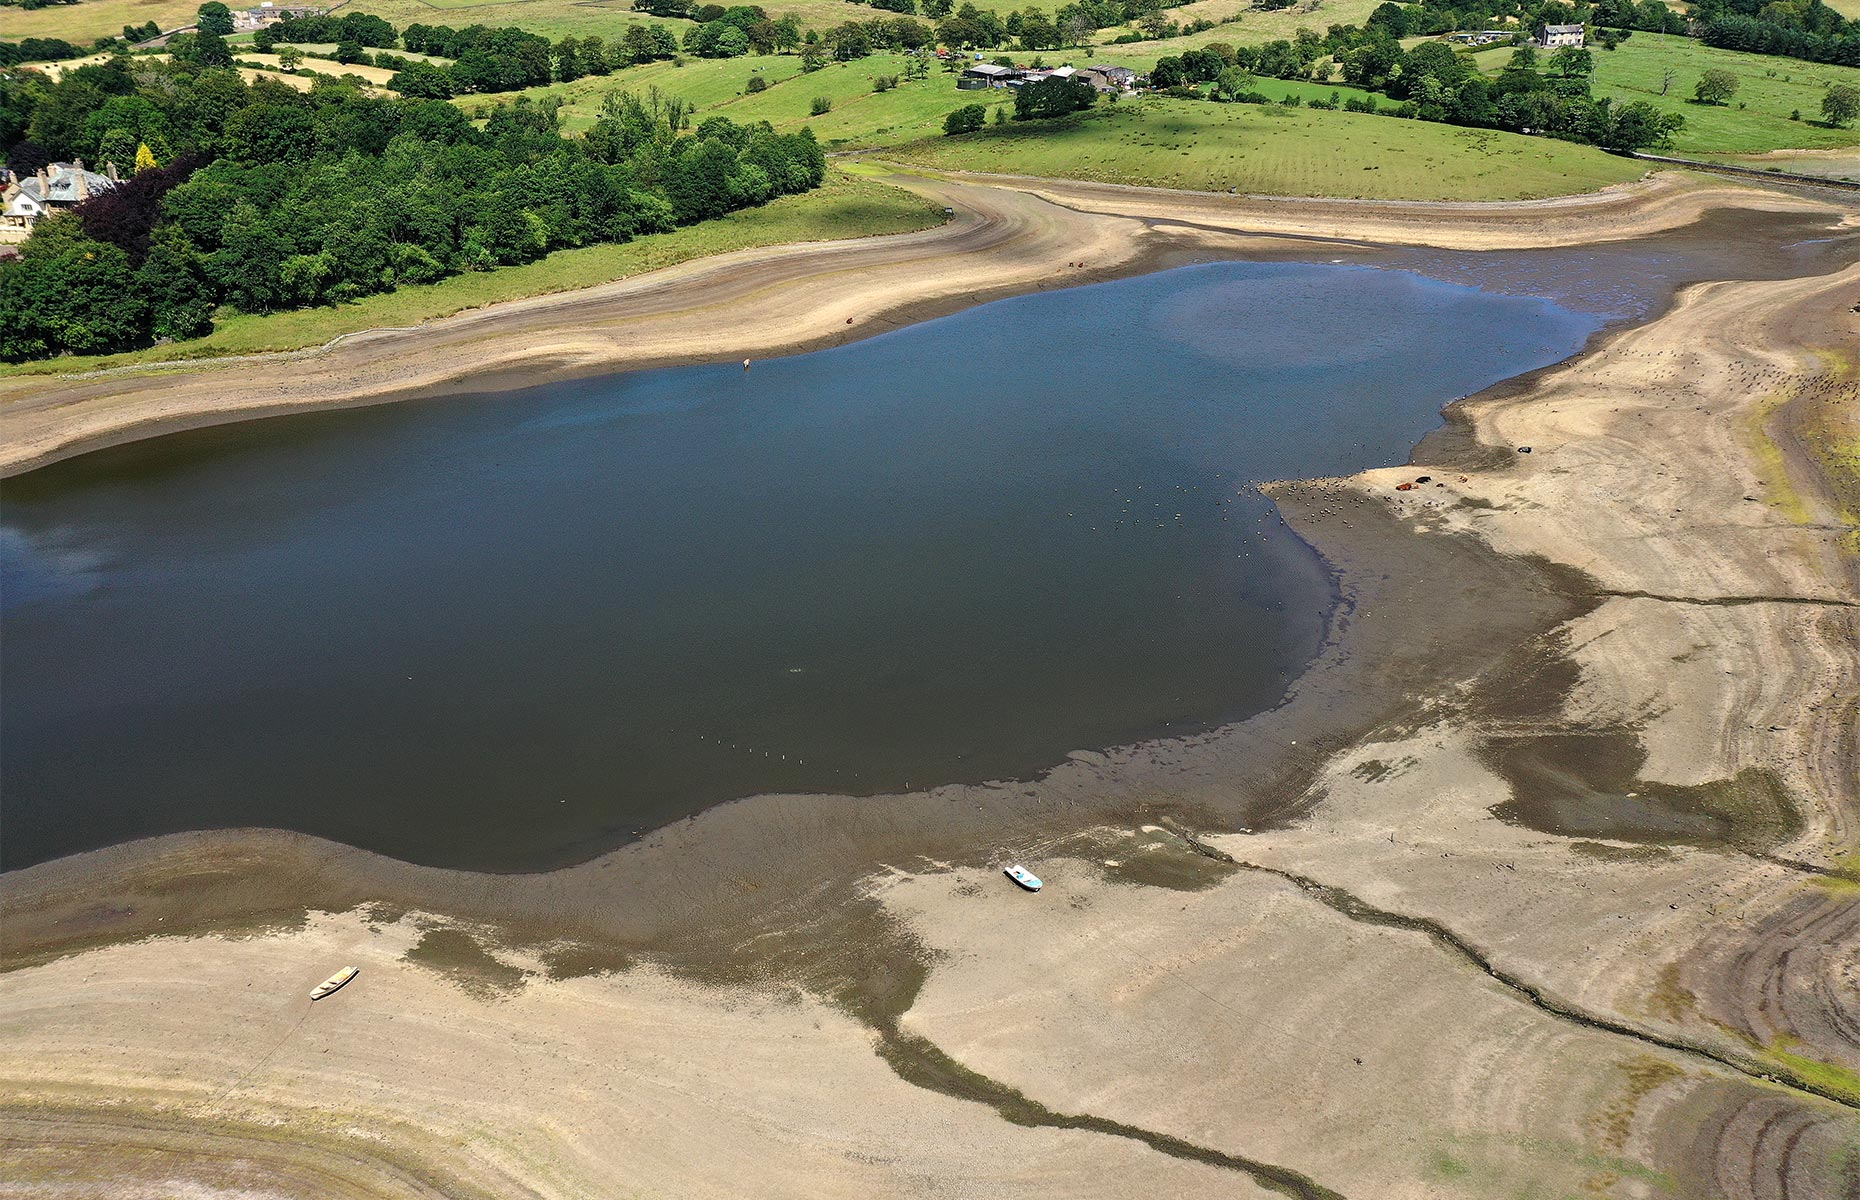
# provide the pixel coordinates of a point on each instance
(51, 189)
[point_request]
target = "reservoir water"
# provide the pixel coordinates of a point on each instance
(505, 631)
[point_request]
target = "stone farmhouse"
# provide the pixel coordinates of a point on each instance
(245, 20)
(983, 75)
(51, 189)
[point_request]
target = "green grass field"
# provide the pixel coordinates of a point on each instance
(1284, 152)
(859, 117)
(578, 18)
(1769, 89)
(90, 19)
(84, 22)
(845, 206)
(1252, 29)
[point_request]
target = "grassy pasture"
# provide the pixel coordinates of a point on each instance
(1252, 29)
(578, 18)
(1769, 89)
(85, 22)
(92, 19)
(323, 66)
(859, 117)
(1287, 152)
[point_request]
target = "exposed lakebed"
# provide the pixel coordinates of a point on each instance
(505, 631)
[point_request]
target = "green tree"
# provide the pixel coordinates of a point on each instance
(215, 17)
(422, 80)
(732, 43)
(68, 292)
(1573, 62)
(210, 50)
(594, 56)
(174, 278)
(1715, 87)
(568, 64)
(967, 119)
(248, 262)
(290, 58)
(1639, 125)
(350, 54)
(1841, 105)
(1053, 97)
(1233, 82)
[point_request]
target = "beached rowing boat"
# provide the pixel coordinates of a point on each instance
(333, 982)
(1022, 876)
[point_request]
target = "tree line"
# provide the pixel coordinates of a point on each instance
(265, 198)
(1431, 82)
(1805, 29)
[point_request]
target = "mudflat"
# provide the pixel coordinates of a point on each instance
(1541, 878)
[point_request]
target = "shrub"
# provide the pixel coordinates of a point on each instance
(1841, 105)
(884, 83)
(1715, 87)
(821, 106)
(967, 119)
(756, 84)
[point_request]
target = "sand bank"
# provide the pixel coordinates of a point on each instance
(1544, 889)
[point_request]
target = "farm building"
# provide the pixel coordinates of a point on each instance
(986, 75)
(247, 19)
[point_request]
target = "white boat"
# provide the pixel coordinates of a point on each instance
(335, 981)
(1022, 876)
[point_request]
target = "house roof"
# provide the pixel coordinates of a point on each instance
(988, 69)
(1562, 29)
(65, 184)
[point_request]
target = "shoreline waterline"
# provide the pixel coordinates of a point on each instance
(1012, 237)
(515, 629)
(1407, 259)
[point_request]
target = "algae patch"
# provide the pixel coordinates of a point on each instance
(461, 960)
(1583, 785)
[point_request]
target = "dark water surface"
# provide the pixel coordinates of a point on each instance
(504, 631)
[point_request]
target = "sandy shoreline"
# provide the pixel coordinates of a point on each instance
(1386, 989)
(1011, 236)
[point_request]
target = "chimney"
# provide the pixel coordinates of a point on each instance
(83, 184)
(45, 184)
(78, 163)
(110, 170)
